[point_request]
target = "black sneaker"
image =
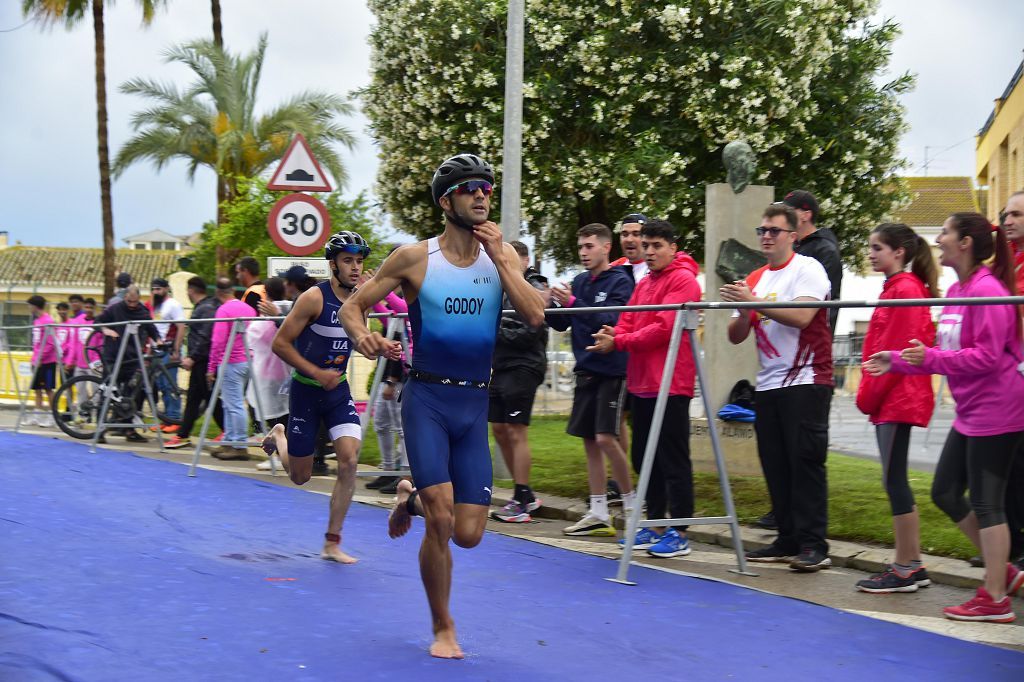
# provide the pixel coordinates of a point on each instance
(320, 468)
(767, 521)
(614, 493)
(769, 555)
(810, 561)
(921, 577)
(135, 437)
(392, 487)
(890, 581)
(976, 561)
(379, 482)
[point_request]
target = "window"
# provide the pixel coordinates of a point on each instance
(170, 246)
(140, 246)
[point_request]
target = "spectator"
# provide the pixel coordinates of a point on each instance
(819, 243)
(296, 281)
(247, 271)
(197, 361)
(81, 355)
(172, 333)
(794, 389)
(600, 379)
(979, 350)
(273, 376)
(895, 403)
(518, 367)
(44, 360)
(1012, 220)
(235, 373)
(77, 303)
(130, 309)
(123, 281)
(645, 336)
(387, 415)
(63, 334)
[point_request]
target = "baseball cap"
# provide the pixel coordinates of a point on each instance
(634, 218)
(159, 282)
(295, 273)
(803, 200)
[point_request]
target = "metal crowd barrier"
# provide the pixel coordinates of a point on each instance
(686, 316)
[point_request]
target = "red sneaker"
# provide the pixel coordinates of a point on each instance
(1014, 579)
(176, 441)
(982, 608)
(219, 438)
(169, 428)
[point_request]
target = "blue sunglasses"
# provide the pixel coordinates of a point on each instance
(355, 249)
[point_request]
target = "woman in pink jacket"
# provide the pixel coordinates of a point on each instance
(896, 402)
(979, 351)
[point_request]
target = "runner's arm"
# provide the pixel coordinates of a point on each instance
(303, 313)
(388, 277)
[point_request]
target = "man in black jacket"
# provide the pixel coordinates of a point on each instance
(599, 396)
(819, 243)
(195, 363)
(517, 370)
(128, 310)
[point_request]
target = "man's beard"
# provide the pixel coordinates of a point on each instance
(158, 300)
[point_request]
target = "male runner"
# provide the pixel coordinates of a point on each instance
(312, 341)
(453, 285)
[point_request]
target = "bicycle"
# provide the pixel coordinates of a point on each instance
(83, 396)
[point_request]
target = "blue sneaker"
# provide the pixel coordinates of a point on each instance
(645, 538)
(671, 544)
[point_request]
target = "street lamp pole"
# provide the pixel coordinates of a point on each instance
(512, 151)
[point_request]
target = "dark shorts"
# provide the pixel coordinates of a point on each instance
(45, 376)
(597, 404)
(311, 405)
(446, 439)
(511, 394)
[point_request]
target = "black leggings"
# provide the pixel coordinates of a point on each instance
(893, 446)
(980, 464)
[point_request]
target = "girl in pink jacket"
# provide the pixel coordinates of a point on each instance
(979, 350)
(896, 402)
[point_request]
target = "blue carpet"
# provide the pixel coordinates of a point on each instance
(118, 567)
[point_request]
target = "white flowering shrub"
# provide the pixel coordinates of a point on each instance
(628, 104)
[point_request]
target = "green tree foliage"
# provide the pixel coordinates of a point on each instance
(245, 223)
(628, 104)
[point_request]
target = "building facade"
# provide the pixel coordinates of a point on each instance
(999, 151)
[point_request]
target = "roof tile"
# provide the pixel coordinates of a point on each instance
(63, 266)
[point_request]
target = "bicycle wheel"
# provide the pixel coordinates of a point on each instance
(83, 398)
(164, 386)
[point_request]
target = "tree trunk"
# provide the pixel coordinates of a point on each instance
(221, 257)
(218, 32)
(104, 152)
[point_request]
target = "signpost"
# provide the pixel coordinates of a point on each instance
(298, 223)
(315, 267)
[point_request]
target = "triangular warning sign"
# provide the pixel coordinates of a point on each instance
(299, 170)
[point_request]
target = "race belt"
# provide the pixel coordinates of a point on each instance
(303, 379)
(428, 378)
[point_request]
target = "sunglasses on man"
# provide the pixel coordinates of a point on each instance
(355, 250)
(471, 187)
(773, 232)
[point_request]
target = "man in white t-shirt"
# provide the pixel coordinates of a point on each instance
(168, 313)
(794, 389)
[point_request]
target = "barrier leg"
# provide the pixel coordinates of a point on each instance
(261, 416)
(109, 386)
(649, 452)
(22, 396)
(148, 388)
(211, 403)
(716, 446)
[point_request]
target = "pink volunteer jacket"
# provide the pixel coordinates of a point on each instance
(221, 331)
(979, 351)
(41, 355)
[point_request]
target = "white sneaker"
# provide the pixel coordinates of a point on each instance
(265, 466)
(30, 419)
(46, 421)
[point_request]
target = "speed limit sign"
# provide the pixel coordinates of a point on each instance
(299, 224)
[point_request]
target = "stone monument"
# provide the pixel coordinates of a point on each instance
(732, 211)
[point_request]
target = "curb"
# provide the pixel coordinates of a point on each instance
(943, 570)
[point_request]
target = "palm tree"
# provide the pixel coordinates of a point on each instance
(218, 32)
(70, 13)
(213, 122)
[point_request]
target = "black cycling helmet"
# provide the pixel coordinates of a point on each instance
(346, 241)
(457, 169)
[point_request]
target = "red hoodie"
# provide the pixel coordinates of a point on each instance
(645, 334)
(898, 398)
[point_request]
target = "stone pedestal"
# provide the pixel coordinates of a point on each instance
(728, 216)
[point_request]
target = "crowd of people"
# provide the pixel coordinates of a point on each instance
(458, 364)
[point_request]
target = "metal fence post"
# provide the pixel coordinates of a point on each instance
(212, 400)
(652, 445)
(110, 385)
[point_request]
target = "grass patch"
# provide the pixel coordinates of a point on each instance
(858, 506)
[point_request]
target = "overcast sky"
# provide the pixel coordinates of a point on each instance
(963, 53)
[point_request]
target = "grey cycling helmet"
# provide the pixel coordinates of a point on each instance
(457, 169)
(346, 241)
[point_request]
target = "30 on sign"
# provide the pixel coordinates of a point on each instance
(299, 224)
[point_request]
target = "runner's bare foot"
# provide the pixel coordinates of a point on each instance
(269, 443)
(332, 552)
(445, 645)
(400, 521)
